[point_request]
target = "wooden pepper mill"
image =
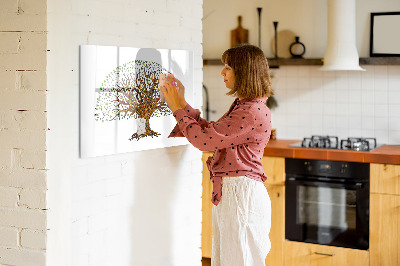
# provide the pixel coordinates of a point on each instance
(239, 35)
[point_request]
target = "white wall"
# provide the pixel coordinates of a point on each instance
(343, 104)
(311, 102)
(141, 208)
(23, 133)
(306, 19)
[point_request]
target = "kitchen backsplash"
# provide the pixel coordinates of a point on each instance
(314, 102)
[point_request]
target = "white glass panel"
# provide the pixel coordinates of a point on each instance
(110, 73)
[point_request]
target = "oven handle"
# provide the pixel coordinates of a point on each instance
(357, 185)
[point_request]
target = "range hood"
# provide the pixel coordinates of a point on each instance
(341, 51)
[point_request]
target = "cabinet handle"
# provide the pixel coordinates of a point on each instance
(324, 254)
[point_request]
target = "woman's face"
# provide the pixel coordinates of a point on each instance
(229, 76)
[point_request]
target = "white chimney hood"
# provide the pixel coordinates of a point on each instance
(341, 51)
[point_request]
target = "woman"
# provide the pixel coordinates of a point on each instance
(242, 208)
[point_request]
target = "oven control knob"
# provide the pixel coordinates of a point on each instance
(308, 166)
(343, 168)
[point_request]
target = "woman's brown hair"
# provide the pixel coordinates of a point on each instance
(250, 66)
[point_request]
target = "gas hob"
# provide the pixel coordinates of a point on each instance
(332, 142)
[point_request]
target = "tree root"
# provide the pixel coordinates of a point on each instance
(148, 133)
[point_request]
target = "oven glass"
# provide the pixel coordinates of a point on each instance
(326, 207)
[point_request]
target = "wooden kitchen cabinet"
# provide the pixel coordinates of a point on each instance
(206, 225)
(274, 168)
(277, 233)
(305, 254)
(384, 236)
(385, 215)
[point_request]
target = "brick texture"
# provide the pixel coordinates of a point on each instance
(8, 197)
(17, 256)
(23, 126)
(9, 237)
(33, 199)
(23, 178)
(33, 239)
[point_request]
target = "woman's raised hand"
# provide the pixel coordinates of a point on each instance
(173, 93)
(181, 92)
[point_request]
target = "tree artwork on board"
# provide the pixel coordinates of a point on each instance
(131, 91)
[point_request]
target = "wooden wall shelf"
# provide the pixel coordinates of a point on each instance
(295, 62)
(380, 61)
(274, 63)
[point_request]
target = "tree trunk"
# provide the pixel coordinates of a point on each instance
(141, 124)
(143, 129)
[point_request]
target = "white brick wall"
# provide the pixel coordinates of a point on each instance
(141, 208)
(102, 207)
(23, 132)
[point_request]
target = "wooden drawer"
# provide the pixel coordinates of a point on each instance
(304, 254)
(385, 178)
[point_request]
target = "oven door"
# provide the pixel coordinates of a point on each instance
(327, 213)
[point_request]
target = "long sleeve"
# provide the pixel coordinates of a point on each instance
(193, 113)
(231, 130)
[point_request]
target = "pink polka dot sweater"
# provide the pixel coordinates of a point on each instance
(238, 139)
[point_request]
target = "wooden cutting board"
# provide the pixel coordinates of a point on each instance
(239, 35)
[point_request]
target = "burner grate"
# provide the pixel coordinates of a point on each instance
(327, 142)
(358, 144)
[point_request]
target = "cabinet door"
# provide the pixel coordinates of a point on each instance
(385, 178)
(206, 232)
(384, 230)
(304, 254)
(274, 168)
(277, 233)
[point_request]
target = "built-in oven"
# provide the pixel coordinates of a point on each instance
(327, 202)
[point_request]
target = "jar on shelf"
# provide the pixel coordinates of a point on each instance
(297, 49)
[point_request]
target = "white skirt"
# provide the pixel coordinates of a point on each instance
(241, 223)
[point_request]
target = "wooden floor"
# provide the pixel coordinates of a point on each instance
(206, 261)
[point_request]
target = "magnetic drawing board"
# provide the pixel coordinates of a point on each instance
(121, 107)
